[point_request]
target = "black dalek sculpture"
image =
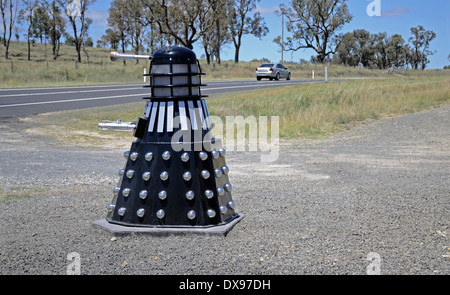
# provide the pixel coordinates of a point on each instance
(175, 179)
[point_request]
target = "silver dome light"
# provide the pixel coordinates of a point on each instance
(164, 175)
(215, 154)
(162, 195)
(166, 155)
(211, 213)
(126, 192)
(148, 156)
(133, 156)
(187, 176)
(160, 214)
(190, 195)
(191, 214)
(146, 176)
(130, 173)
(228, 187)
(140, 212)
(220, 191)
(218, 172)
(203, 156)
(143, 194)
(205, 174)
(185, 157)
(209, 194)
(121, 211)
(126, 154)
(111, 207)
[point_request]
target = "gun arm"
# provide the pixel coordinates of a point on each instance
(117, 126)
(121, 56)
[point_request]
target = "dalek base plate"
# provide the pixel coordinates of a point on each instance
(122, 230)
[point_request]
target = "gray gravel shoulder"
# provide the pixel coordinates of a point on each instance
(321, 208)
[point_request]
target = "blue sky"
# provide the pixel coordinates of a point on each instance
(397, 17)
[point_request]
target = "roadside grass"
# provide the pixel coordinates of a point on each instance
(316, 110)
(43, 71)
(305, 111)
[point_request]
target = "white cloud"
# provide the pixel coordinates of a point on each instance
(99, 17)
(266, 10)
(396, 11)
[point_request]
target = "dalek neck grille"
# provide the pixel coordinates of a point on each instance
(175, 74)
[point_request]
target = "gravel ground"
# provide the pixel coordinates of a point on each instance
(380, 187)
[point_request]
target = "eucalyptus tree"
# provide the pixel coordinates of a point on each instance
(314, 24)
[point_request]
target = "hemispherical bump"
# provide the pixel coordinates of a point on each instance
(126, 154)
(228, 187)
(215, 154)
(222, 152)
(209, 194)
(143, 194)
(231, 204)
(122, 211)
(162, 195)
(166, 155)
(148, 156)
(116, 189)
(126, 192)
(185, 157)
(218, 172)
(111, 207)
(203, 156)
(223, 209)
(191, 214)
(211, 213)
(160, 214)
(121, 172)
(187, 176)
(130, 173)
(133, 156)
(220, 191)
(205, 174)
(164, 175)
(225, 169)
(146, 175)
(140, 212)
(190, 195)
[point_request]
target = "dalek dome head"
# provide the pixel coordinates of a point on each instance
(175, 74)
(175, 55)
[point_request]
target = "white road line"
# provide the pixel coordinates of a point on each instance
(129, 95)
(101, 86)
(62, 101)
(67, 87)
(67, 92)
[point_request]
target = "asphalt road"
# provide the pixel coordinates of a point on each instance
(29, 101)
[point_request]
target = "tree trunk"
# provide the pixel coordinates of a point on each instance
(218, 41)
(236, 54)
(208, 56)
(320, 57)
(29, 46)
(78, 46)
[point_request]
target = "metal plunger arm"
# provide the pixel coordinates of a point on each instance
(121, 56)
